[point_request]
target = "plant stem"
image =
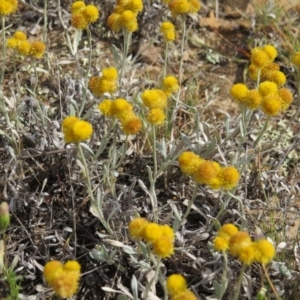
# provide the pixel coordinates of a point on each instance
(261, 132)
(127, 38)
(154, 151)
(182, 48)
(87, 72)
(152, 279)
(270, 283)
(3, 50)
(191, 202)
(166, 59)
(239, 282)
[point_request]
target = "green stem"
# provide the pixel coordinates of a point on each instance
(182, 48)
(127, 38)
(166, 59)
(3, 50)
(87, 72)
(261, 132)
(154, 151)
(270, 283)
(152, 279)
(239, 282)
(191, 202)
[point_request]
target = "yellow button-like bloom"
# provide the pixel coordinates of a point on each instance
(170, 85)
(239, 92)
(286, 97)
(120, 108)
(260, 58)
(186, 295)
(129, 21)
(99, 85)
(296, 59)
(228, 229)
(271, 105)
(163, 247)
(179, 7)
(114, 22)
(277, 77)
(76, 130)
(230, 177)
(82, 15)
(63, 278)
(221, 243)
(207, 173)
(253, 99)
(154, 98)
(135, 6)
(271, 51)
(105, 107)
(265, 251)
(110, 73)
(156, 116)
(8, 7)
(152, 232)
(136, 227)
(16, 39)
(37, 49)
(168, 31)
(189, 162)
(267, 88)
(131, 125)
(167, 231)
(239, 241)
(176, 284)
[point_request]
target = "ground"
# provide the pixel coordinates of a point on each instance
(51, 216)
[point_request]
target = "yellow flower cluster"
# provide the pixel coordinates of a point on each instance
(156, 101)
(170, 85)
(208, 172)
(122, 110)
(168, 31)
(161, 237)
(107, 83)
(177, 288)
(8, 7)
(63, 278)
(76, 130)
(270, 98)
(296, 59)
(180, 7)
(125, 15)
(19, 42)
(241, 246)
(83, 15)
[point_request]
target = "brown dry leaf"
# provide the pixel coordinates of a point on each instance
(211, 22)
(293, 230)
(149, 53)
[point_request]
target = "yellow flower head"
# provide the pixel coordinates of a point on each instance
(259, 58)
(20, 36)
(120, 107)
(267, 87)
(168, 31)
(189, 162)
(179, 7)
(131, 125)
(105, 107)
(152, 232)
(156, 116)
(277, 77)
(253, 71)
(37, 49)
(265, 251)
(135, 6)
(79, 21)
(238, 242)
(186, 295)
(296, 59)
(163, 247)
(114, 22)
(67, 126)
(77, 6)
(230, 177)
(194, 6)
(52, 270)
(253, 99)
(12, 43)
(170, 85)
(136, 227)
(176, 284)
(82, 130)
(91, 13)
(63, 278)
(221, 243)
(271, 51)
(247, 254)
(271, 104)
(167, 231)
(154, 98)
(239, 92)
(286, 98)
(110, 73)
(99, 86)
(129, 21)
(228, 230)
(8, 7)
(24, 47)
(266, 72)
(207, 172)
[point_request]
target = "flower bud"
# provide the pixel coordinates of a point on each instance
(4, 216)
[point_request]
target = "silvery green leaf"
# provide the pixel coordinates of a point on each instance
(186, 140)
(134, 287)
